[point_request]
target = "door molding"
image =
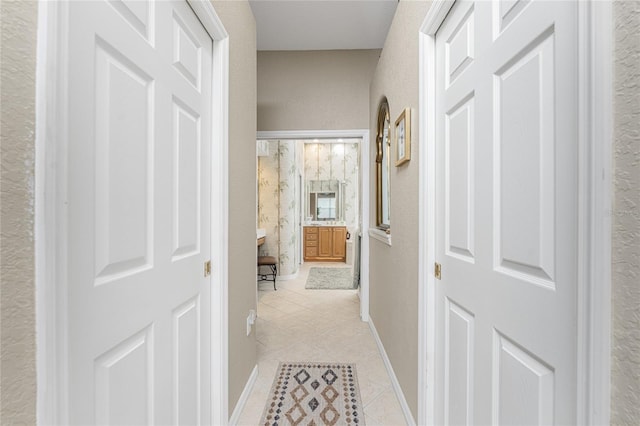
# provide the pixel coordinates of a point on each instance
(594, 223)
(51, 228)
(363, 135)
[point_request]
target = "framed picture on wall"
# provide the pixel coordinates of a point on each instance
(403, 137)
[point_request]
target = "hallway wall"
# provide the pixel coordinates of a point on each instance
(625, 268)
(314, 90)
(17, 256)
(393, 271)
(238, 20)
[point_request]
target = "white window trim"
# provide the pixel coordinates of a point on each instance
(380, 235)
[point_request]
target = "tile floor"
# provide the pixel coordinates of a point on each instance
(295, 324)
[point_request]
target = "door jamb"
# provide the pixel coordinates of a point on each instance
(594, 223)
(363, 135)
(51, 227)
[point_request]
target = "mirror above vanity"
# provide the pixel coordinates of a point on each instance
(324, 201)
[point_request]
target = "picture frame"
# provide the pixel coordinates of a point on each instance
(403, 137)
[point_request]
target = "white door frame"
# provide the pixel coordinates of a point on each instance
(594, 222)
(363, 135)
(50, 210)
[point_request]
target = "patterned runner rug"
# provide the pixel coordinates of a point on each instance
(314, 394)
(329, 278)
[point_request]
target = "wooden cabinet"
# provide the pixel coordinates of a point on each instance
(325, 243)
(339, 240)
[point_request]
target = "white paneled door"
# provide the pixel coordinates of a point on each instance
(139, 146)
(507, 155)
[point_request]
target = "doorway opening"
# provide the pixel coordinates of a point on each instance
(313, 204)
(308, 203)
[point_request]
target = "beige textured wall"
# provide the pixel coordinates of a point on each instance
(17, 106)
(625, 357)
(393, 271)
(314, 90)
(239, 22)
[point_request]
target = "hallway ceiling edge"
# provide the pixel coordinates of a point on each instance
(322, 24)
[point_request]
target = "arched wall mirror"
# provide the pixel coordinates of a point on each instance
(383, 149)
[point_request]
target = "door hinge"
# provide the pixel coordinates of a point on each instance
(437, 271)
(207, 268)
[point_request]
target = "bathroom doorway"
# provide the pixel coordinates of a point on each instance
(315, 182)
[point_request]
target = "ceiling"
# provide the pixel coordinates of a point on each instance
(322, 24)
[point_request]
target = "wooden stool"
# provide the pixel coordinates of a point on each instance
(271, 262)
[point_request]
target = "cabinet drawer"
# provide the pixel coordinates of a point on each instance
(311, 237)
(310, 230)
(312, 243)
(311, 251)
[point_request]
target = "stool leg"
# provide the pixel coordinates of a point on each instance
(274, 269)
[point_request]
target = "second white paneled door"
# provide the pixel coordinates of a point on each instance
(507, 156)
(138, 301)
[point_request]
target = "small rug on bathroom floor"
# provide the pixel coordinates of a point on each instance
(329, 278)
(314, 393)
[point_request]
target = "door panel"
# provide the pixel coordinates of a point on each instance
(186, 181)
(339, 242)
(458, 369)
(325, 243)
(522, 386)
(460, 216)
(139, 187)
(123, 166)
(506, 167)
(186, 364)
(124, 382)
(139, 14)
(524, 156)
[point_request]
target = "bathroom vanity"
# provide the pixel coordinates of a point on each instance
(325, 243)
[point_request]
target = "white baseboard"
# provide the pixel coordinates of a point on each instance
(244, 396)
(394, 380)
(287, 277)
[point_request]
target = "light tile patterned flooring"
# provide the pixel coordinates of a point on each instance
(295, 324)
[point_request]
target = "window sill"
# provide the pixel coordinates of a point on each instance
(380, 235)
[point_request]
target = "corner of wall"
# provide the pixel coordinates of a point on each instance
(17, 252)
(625, 268)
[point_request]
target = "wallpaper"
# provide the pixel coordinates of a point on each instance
(278, 204)
(339, 161)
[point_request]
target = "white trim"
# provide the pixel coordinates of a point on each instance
(426, 213)
(50, 222)
(595, 127)
(50, 213)
(595, 61)
(363, 135)
(219, 217)
(244, 396)
(380, 235)
(392, 376)
(363, 292)
(435, 16)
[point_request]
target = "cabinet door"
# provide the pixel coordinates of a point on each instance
(324, 243)
(339, 242)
